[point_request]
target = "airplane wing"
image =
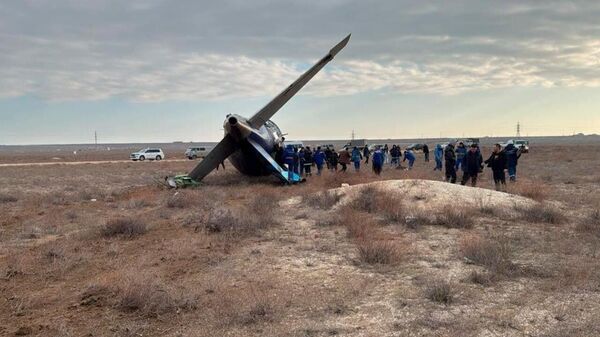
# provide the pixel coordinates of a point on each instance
(274, 105)
(277, 170)
(224, 149)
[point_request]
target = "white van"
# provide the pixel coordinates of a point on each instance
(197, 152)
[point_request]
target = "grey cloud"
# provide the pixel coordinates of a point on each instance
(193, 50)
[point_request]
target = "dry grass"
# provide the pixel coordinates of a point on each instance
(381, 252)
(125, 227)
(323, 200)
(542, 213)
(366, 200)
(590, 224)
(440, 291)
(535, 190)
(454, 217)
(6, 198)
(494, 253)
(150, 297)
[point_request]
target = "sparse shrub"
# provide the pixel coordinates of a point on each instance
(6, 198)
(591, 223)
(322, 200)
(365, 200)
(127, 227)
(439, 291)
(150, 297)
(536, 191)
(359, 226)
(541, 213)
(484, 279)
(380, 252)
(219, 220)
(95, 294)
(261, 311)
(493, 253)
(416, 219)
(453, 217)
(391, 208)
(179, 200)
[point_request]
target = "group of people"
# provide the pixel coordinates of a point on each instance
(453, 158)
(470, 161)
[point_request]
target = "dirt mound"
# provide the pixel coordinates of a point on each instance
(431, 194)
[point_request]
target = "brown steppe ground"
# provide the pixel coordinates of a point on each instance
(247, 257)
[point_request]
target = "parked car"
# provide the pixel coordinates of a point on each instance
(148, 153)
(415, 147)
(324, 146)
(196, 152)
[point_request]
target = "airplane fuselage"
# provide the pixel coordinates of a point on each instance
(245, 159)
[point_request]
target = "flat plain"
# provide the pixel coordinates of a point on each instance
(105, 250)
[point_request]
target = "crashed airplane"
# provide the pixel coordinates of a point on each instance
(250, 143)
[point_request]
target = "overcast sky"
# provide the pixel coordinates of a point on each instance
(158, 70)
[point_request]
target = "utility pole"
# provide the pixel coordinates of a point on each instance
(518, 129)
(95, 137)
(352, 134)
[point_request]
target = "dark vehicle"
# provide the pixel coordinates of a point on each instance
(415, 147)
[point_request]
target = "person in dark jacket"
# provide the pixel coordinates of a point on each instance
(497, 162)
(334, 160)
(308, 161)
(450, 162)
(426, 152)
(377, 161)
(319, 158)
(366, 153)
(328, 152)
(344, 159)
(512, 159)
(472, 165)
(396, 155)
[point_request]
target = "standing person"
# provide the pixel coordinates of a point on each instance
(472, 165)
(426, 152)
(438, 154)
(334, 160)
(344, 159)
(308, 161)
(512, 159)
(288, 159)
(395, 154)
(450, 163)
(377, 161)
(410, 156)
(319, 158)
(279, 154)
(301, 161)
(327, 156)
(497, 162)
(366, 153)
(461, 152)
(296, 165)
(386, 151)
(356, 158)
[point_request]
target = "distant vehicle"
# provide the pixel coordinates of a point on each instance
(372, 147)
(324, 146)
(521, 144)
(415, 147)
(148, 153)
(196, 152)
(360, 143)
(295, 143)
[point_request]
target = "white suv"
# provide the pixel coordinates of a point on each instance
(148, 153)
